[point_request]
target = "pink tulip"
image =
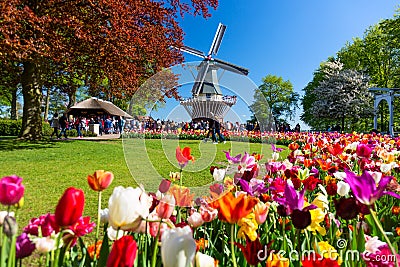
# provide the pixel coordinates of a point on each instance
(166, 206)
(11, 190)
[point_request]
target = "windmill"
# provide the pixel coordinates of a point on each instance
(207, 100)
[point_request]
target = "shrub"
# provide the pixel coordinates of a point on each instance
(10, 127)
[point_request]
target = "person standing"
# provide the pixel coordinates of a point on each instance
(121, 124)
(216, 129)
(63, 121)
(55, 124)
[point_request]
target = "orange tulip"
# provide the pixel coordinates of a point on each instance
(182, 195)
(231, 209)
(91, 249)
(100, 180)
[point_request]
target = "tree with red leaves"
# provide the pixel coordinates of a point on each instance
(122, 42)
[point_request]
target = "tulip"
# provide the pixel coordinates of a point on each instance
(232, 160)
(10, 226)
(365, 188)
(127, 207)
(178, 247)
(114, 234)
(231, 209)
(203, 260)
(123, 252)
(5, 213)
(24, 246)
(183, 156)
(343, 188)
(195, 220)
(100, 180)
(45, 244)
(252, 251)
(208, 213)
(70, 207)
(261, 212)
(276, 260)
(166, 206)
(218, 174)
(164, 185)
(11, 190)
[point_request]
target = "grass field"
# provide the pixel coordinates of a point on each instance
(49, 167)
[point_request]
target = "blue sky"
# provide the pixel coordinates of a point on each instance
(284, 38)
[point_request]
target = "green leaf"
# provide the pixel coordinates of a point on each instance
(105, 249)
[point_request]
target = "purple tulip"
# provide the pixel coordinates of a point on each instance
(11, 190)
(365, 189)
(24, 246)
(293, 200)
(232, 160)
(276, 149)
(255, 187)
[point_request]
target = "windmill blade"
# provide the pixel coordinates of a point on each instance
(231, 67)
(217, 39)
(201, 76)
(191, 51)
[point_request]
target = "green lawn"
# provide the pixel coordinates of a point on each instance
(49, 167)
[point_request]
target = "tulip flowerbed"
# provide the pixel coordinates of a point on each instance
(333, 201)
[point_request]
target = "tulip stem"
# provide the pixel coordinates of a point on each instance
(57, 256)
(154, 256)
(379, 225)
(97, 227)
(233, 245)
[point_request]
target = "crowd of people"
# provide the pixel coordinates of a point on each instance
(118, 124)
(107, 124)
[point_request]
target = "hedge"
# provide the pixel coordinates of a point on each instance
(13, 127)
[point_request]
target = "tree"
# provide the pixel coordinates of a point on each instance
(280, 97)
(115, 40)
(342, 94)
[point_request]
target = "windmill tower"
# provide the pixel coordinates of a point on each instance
(207, 100)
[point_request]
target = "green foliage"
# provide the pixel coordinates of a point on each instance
(279, 99)
(10, 127)
(13, 127)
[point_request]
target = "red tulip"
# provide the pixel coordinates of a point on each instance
(100, 180)
(123, 252)
(70, 207)
(183, 156)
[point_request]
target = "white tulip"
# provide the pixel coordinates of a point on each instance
(377, 175)
(45, 244)
(340, 175)
(203, 260)
(178, 247)
(114, 234)
(127, 207)
(386, 168)
(219, 174)
(343, 188)
(104, 215)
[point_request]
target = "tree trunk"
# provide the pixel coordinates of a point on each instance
(31, 91)
(71, 99)
(14, 109)
(47, 104)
